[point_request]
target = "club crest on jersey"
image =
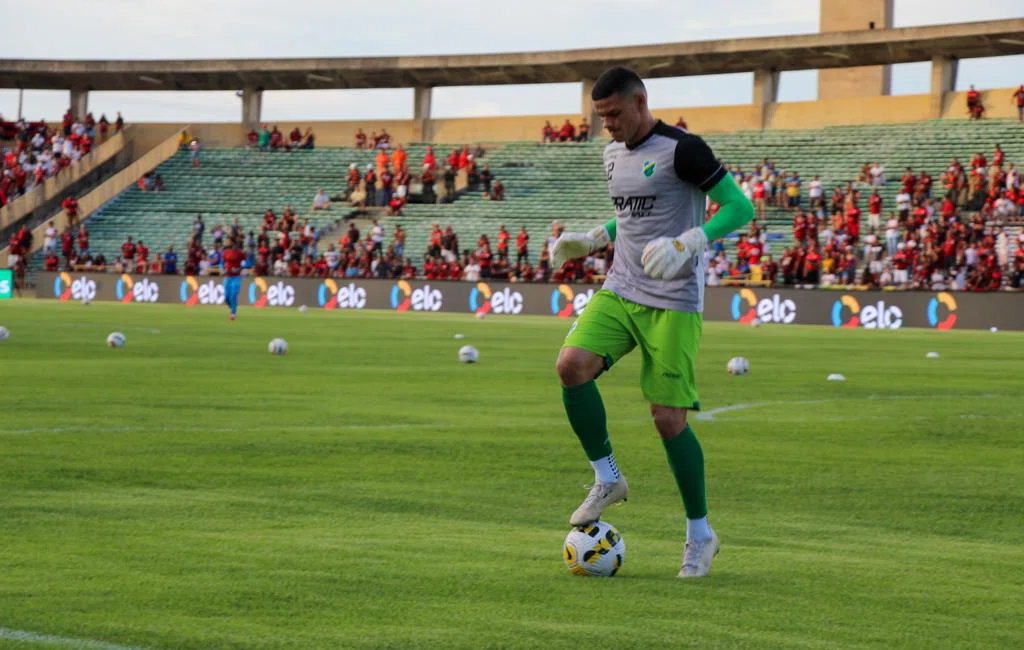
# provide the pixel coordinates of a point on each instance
(649, 166)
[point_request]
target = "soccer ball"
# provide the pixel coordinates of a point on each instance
(86, 301)
(468, 354)
(278, 347)
(116, 340)
(738, 366)
(303, 309)
(594, 550)
(756, 322)
(481, 315)
(4, 334)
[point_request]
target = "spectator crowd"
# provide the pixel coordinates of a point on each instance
(37, 151)
(949, 233)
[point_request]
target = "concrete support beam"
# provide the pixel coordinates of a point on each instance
(944, 69)
(766, 94)
(422, 97)
(252, 107)
(79, 103)
(587, 111)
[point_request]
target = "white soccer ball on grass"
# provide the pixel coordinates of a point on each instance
(278, 347)
(116, 340)
(4, 334)
(468, 354)
(738, 366)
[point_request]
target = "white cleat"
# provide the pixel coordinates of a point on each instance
(600, 497)
(697, 557)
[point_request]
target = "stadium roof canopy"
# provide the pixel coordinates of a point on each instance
(779, 53)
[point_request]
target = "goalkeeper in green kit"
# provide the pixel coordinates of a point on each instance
(658, 177)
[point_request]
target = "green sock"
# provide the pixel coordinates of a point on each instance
(585, 409)
(686, 459)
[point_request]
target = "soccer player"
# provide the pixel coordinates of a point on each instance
(658, 178)
(233, 258)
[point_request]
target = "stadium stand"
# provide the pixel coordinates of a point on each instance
(544, 183)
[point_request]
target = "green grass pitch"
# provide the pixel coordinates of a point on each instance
(191, 491)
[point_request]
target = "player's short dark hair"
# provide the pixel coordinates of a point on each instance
(617, 81)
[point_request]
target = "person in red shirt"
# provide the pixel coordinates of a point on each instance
(83, 239)
(547, 134)
(464, 157)
(51, 261)
(875, 211)
(128, 250)
(67, 244)
(503, 237)
(800, 227)
(453, 159)
(742, 247)
(484, 255)
(853, 223)
(908, 181)
(568, 132)
(1018, 96)
(142, 257)
(812, 265)
(70, 205)
(975, 109)
(522, 245)
(360, 139)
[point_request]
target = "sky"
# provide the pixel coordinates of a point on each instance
(170, 29)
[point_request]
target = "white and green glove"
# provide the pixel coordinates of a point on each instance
(668, 258)
(571, 245)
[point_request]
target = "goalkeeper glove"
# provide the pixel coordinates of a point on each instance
(668, 258)
(571, 245)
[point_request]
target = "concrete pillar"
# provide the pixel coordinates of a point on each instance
(766, 93)
(862, 81)
(421, 112)
(944, 70)
(587, 111)
(79, 103)
(252, 107)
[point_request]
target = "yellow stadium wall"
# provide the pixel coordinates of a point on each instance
(704, 119)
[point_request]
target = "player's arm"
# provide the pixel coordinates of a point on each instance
(670, 257)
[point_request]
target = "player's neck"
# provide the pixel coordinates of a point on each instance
(646, 126)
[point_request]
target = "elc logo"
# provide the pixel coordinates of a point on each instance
(949, 302)
(67, 289)
(331, 296)
(404, 297)
(565, 302)
(128, 290)
(277, 294)
(746, 307)
(208, 293)
(847, 312)
(482, 300)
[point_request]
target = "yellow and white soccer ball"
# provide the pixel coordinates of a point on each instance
(116, 340)
(594, 550)
(278, 347)
(738, 366)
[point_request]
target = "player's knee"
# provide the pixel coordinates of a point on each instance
(575, 367)
(668, 420)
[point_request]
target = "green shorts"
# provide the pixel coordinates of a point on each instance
(612, 326)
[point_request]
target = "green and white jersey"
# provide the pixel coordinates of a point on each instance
(658, 189)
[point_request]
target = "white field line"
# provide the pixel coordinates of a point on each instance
(709, 416)
(63, 641)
